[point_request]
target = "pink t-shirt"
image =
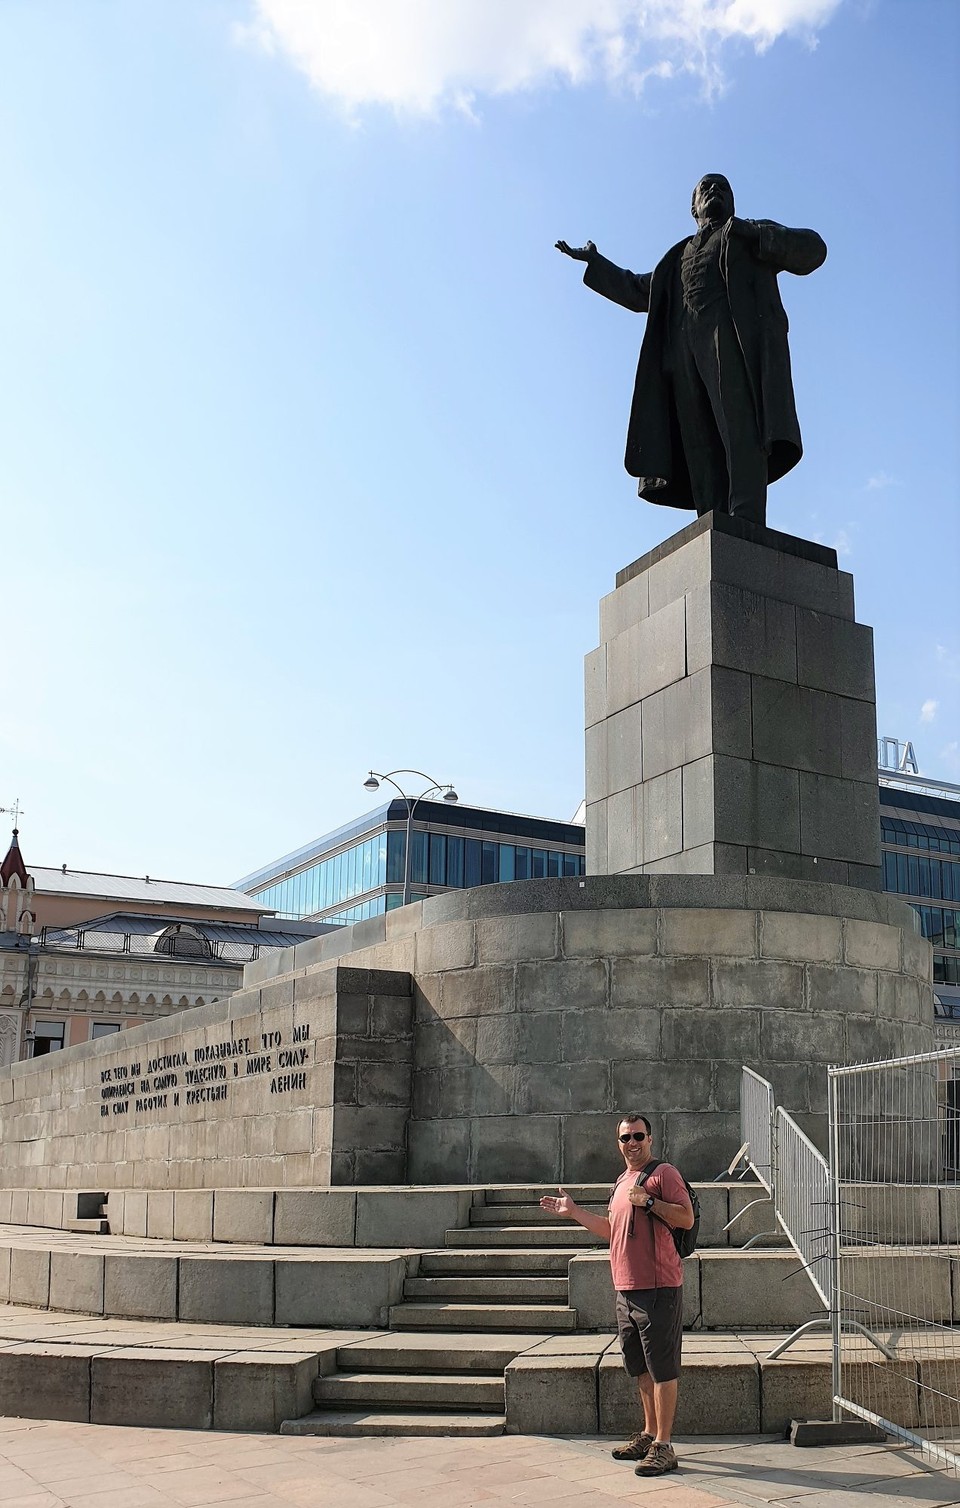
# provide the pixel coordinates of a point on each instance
(648, 1258)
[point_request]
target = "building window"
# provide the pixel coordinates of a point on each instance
(47, 1037)
(103, 1029)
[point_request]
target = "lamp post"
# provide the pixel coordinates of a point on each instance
(372, 783)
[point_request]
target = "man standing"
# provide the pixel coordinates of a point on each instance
(648, 1278)
(713, 419)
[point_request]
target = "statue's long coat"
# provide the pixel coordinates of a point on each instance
(654, 449)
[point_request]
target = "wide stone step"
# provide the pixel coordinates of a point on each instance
(401, 1390)
(565, 1235)
(542, 1318)
(521, 1214)
(412, 1351)
(511, 1289)
(582, 1193)
(387, 1423)
(541, 1262)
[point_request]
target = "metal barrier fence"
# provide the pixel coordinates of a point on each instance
(895, 1156)
(757, 1154)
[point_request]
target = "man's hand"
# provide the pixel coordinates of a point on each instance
(579, 253)
(747, 230)
(638, 1196)
(564, 1206)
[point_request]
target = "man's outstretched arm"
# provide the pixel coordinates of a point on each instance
(567, 1210)
(629, 289)
(796, 251)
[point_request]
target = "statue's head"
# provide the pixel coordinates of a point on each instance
(712, 200)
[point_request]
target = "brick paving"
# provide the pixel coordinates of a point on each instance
(61, 1465)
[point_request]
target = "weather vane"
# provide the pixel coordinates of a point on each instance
(14, 811)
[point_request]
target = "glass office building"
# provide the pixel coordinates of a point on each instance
(357, 871)
(920, 845)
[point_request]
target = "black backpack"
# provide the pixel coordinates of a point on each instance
(684, 1240)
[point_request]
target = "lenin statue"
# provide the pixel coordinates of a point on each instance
(713, 419)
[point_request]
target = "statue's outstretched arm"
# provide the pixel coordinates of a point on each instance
(629, 289)
(797, 251)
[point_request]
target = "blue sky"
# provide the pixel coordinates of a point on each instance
(312, 444)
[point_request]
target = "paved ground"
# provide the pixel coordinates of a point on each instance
(56, 1465)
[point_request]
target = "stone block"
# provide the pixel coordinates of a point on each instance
(790, 1036)
(552, 1088)
(526, 1037)
(800, 938)
(751, 632)
(890, 1284)
(917, 955)
(29, 1277)
(648, 655)
(624, 830)
(438, 1151)
(410, 1216)
(551, 1395)
(746, 1289)
(596, 837)
(383, 1084)
(794, 1387)
(710, 933)
(620, 749)
(782, 576)
(193, 1215)
(691, 1036)
(592, 1294)
(160, 1214)
(589, 1150)
(835, 655)
(719, 1394)
(662, 819)
(714, 1203)
(796, 726)
(672, 575)
(46, 1382)
(357, 1290)
(648, 1082)
(770, 985)
(700, 1145)
(839, 818)
(140, 1287)
(226, 1290)
(640, 983)
(76, 1281)
(555, 986)
(4, 1274)
(474, 992)
(595, 686)
(871, 945)
(515, 939)
(842, 990)
(257, 1390)
(898, 1213)
(452, 945)
(756, 804)
(589, 1036)
(315, 1217)
(440, 1044)
(939, 1388)
(677, 725)
(153, 1389)
(380, 1129)
(891, 1387)
(628, 604)
(753, 1208)
(134, 1213)
(244, 1215)
(597, 784)
(698, 812)
(511, 1149)
(858, 739)
(631, 932)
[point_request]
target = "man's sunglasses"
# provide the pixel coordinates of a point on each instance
(634, 1136)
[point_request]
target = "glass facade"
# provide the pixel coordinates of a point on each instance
(356, 883)
(921, 862)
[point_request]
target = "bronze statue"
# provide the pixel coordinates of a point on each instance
(713, 420)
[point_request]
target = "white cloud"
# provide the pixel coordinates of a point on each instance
(420, 56)
(929, 710)
(880, 481)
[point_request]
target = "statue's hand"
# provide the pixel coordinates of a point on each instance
(747, 230)
(579, 253)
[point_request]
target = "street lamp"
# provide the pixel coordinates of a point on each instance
(372, 783)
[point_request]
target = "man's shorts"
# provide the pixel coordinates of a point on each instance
(650, 1322)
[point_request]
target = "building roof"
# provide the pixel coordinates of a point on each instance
(125, 887)
(132, 932)
(13, 863)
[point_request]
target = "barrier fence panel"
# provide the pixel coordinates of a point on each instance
(757, 1153)
(896, 1218)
